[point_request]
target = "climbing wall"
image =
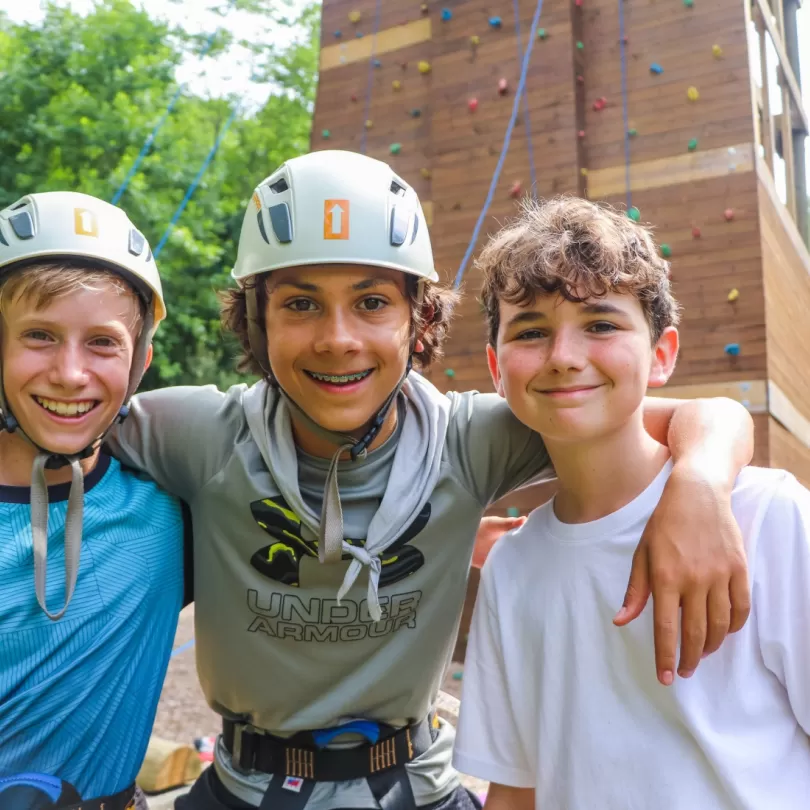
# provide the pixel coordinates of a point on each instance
(646, 104)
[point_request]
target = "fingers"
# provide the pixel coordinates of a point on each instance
(718, 618)
(740, 593)
(693, 631)
(638, 588)
(666, 607)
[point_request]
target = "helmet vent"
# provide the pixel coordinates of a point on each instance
(397, 189)
(19, 205)
(279, 186)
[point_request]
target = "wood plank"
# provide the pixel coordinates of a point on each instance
(750, 393)
(788, 453)
(391, 39)
(688, 168)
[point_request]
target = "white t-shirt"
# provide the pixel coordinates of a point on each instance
(558, 699)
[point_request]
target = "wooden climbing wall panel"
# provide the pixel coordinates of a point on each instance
(662, 122)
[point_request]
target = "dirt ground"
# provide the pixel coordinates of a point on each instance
(183, 714)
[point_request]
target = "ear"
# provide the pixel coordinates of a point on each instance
(665, 353)
(418, 346)
(494, 370)
(148, 361)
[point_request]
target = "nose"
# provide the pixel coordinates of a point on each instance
(69, 369)
(337, 333)
(567, 350)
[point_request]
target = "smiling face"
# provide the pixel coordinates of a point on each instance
(338, 339)
(578, 372)
(66, 364)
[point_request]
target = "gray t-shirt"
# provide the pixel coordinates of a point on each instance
(273, 646)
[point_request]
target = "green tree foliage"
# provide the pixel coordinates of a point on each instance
(80, 95)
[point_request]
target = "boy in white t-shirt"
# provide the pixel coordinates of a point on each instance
(561, 710)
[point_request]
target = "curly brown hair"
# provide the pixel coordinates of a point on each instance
(579, 250)
(430, 318)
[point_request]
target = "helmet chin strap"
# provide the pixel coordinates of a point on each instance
(50, 460)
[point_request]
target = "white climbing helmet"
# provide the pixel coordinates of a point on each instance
(334, 207)
(68, 224)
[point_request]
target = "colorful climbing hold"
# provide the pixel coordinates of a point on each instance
(513, 511)
(424, 67)
(355, 16)
(542, 33)
(689, 3)
(631, 133)
(354, 97)
(426, 174)
(369, 123)
(516, 189)
(580, 79)
(717, 51)
(395, 148)
(472, 104)
(634, 214)
(424, 8)
(656, 68)
(503, 87)
(695, 232)
(733, 295)
(377, 63)
(732, 349)
(692, 145)
(666, 250)
(581, 133)
(396, 84)
(495, 22)
(692, 94)
(338, 34)
(580, 46)
(600, 104)
(457, 676)
(475, 40)
(728, 214)
(448, 372)
(578, 3)
(325, 133)
(359, 35)
(584, 172)
(416, 112)
(447, 14)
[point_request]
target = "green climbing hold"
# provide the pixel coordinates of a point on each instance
(513, 511)
(448, 372)
(395, 148)
(580, 46)
(541, 34)
(689, 3)
(666, 251)
(634, 214)
(632, 133)
(457, 676)
(326, 133)
(693, 144)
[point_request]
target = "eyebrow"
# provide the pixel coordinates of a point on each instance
(597, 308)
(304, 286)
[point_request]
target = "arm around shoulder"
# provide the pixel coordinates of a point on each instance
(503, 797)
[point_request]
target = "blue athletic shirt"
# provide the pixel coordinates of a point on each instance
(78, 696)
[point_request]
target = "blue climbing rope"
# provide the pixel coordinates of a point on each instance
(505, 148)
(525, 102)
(370, 82)
(623, 52)
(147, 145)
(195, 182)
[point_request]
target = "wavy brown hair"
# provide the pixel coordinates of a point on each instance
(578, 250)
(430, 319)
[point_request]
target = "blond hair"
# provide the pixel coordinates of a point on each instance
(578, 250)
(41, 283)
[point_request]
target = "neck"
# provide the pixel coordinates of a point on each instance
(17, 460)
(601, 476)
(316, 445)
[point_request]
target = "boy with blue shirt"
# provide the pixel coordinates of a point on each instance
(91, 555)
(560, 708)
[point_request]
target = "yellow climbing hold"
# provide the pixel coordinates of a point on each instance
(425, 173)
(355, 16)
(396, 84)
(475, 40)
(424, 67)
(733, 295)
(717, 51)
(369, 123)
(692, 94)
(583, 172)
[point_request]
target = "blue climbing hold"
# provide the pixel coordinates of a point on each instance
(513, 512)
(447, 14)
(732, 349)
(338, 34)
(457, 676)
(359, 34)
(656, 68)
(377, 63)
(495, 22)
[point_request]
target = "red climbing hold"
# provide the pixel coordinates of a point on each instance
(695, 232)
(578, 3)
(354, 96)
(472, 104)
(580, 80)
(728, 214)
(581, 133)
(516, 189)
(503, 87)
(600, 103)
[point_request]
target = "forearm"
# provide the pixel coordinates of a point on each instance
(503, 797)
(714, 437)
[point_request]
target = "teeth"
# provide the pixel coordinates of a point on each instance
(65, 408)
(339, 378)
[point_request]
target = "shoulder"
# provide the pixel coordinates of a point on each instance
(134, 495)
(758, 490)
(511, 553)
(191, 403)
